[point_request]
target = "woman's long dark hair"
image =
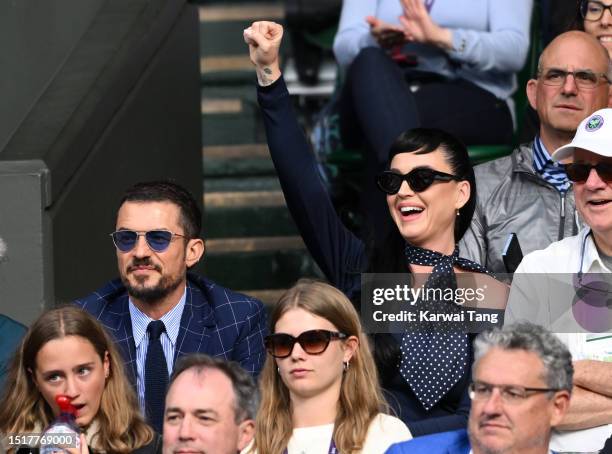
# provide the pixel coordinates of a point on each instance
(387, 256)
(578, 21)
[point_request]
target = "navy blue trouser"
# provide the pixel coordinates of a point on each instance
(376, 105)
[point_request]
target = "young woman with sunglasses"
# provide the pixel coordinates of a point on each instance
(431, 197)
(320, 390)
(67, 352)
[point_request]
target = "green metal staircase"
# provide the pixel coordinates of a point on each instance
(252, 244)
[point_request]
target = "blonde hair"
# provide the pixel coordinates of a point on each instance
(23, 409)
(360, 395)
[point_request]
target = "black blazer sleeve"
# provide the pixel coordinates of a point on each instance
(339, 253)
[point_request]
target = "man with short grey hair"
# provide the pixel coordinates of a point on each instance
(522, 382)
(210, 407)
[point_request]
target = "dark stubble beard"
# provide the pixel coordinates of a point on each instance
(151, 295)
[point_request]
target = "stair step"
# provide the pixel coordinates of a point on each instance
(247, 93)
(248, 221)
(229, 78)
(255, 244)
(245, 151)
(259, 270)
(226, 63)
(232, 128)
(241, 12)
(252, 243)
(221, 106)
(225, 38)
(244, 198)
(242, 184)
(237, 167)
(231, 116)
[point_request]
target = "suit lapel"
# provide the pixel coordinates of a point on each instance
(116, 319)
(197, 323)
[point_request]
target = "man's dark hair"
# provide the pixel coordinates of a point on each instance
(246, 394)
(168, 191)
(427, 140)
(386, 252)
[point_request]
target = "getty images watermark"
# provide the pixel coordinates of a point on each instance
(397, 303)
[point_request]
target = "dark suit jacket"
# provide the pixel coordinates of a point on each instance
(11, 333)
(455, 442)
(215, 321)
(607, 449)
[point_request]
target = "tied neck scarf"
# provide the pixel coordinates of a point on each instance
(432, 363)
(442, 272)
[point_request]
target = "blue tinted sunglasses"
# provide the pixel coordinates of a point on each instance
(158, 240)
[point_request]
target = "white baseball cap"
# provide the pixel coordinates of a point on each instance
(594, 134)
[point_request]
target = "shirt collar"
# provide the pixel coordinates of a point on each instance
(171, 319)
(541, 156)
(591, 262)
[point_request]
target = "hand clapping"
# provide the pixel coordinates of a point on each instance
(387, 35)
(420, 28)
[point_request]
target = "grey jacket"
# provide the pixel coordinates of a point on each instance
(513, 198)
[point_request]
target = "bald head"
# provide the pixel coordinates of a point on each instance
(583, 40)
(562, 104)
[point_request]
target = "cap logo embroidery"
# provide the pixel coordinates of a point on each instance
(594, 123)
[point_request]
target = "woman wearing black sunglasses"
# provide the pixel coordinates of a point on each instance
(319, 385)
(431, 198)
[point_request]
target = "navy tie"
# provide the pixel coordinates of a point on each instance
(432, 362)
(156, 376)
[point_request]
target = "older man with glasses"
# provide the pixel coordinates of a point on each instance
(156, 310)
(568, 286)
(527, 193)
(522, 382)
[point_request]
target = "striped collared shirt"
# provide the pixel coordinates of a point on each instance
(140, 322)
(552, 172)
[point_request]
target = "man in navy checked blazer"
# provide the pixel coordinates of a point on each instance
(157, 240)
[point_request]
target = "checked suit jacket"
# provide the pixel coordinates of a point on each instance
(216, 321)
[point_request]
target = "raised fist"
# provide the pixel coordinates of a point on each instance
(264, 40)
